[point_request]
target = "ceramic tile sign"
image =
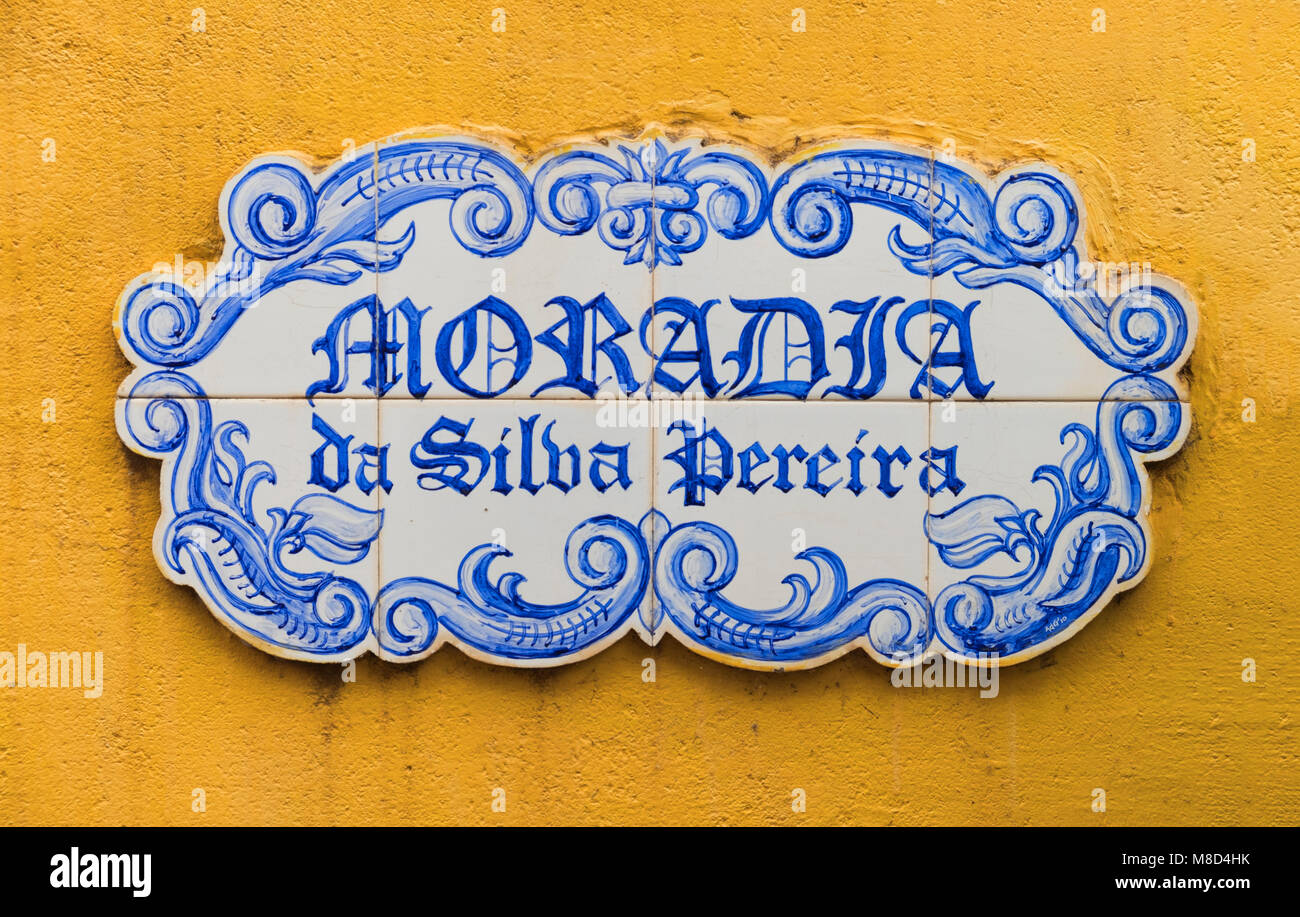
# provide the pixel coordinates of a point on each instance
(863, 398)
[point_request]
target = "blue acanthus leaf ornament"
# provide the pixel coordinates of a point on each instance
(1094, 542)
(212, 536)
(287, 225)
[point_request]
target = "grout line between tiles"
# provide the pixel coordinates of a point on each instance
(929, 411)
(651, 599)
(379, 417)
(843, 402)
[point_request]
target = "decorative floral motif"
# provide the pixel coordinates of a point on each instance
(647, 205)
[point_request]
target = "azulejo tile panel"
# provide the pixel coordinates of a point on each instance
(440, 394)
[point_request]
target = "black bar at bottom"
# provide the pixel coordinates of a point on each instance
(639, 868)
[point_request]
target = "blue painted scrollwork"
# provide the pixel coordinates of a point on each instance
(285, 227)
(1024, 234)
(214, 533)
(696, 561)
(811, 213)
(605, 556)
(1092, 543)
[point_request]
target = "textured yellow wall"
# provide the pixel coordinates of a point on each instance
(149, 119)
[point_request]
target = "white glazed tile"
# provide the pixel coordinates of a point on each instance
(1017, 294)
(1023, 350)
(1045, 513)
(730, 533)
(501, 290)
(296, 277)
(779, 359)
(514, 517)
(283, 554)
(269, 351)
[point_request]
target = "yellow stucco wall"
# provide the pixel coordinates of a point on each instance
(150, 118)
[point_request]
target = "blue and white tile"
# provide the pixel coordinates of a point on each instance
(1040, 516)
(520, 282)
(513, 529)
(789, 534)
(809, 302)
(269, 511)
